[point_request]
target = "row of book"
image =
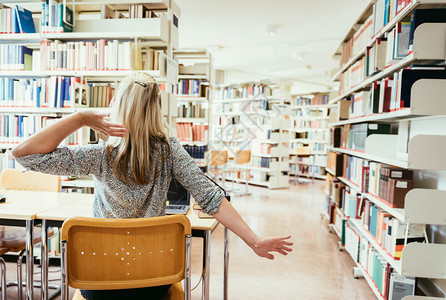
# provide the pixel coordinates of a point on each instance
(390, 284)
(54, 245)
(245, 91)
(263, 148)
(197, 152)
(191, 132)
(140, 11)
(308, 113)
(54, 92)
(16, 19)
(317, 160)
(299, 123)
(384, 228)
(389, 184)
(135, 11)
(262, 162)
(248, 106)
(227, 120)
(359, 40)
(17, 58)
(52, 18)
(318, 99)
(313, 147)
(95, 55)
(388, 231)
(353, 136)
(389, 49)
(312, 135)
(383, 12)
(7, 161)
(234, 134)
(189, 87)
(307, 170)
(191, 110)
(16, 128)
(389, 94)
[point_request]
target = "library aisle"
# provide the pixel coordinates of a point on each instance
(314, 270)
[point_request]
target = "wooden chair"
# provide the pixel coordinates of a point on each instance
(217, 166)
(14, 238)
(109, 254)
(241, 162)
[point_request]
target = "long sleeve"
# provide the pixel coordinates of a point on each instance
(186, 171)
(72, 160)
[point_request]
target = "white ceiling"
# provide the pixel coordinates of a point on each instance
(234, 31)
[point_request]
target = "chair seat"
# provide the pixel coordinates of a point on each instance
(14, 238)
(175, 293)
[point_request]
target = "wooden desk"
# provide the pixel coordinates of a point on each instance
(81, 206)
(21, 209)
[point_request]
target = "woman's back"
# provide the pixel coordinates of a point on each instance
(115, 198)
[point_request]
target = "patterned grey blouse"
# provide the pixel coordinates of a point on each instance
(115, 199)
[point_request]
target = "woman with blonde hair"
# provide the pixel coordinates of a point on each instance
(132, 170)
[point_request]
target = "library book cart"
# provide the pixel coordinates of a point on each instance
(71, 57)
(388, 137)
(252, 116)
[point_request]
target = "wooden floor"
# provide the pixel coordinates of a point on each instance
(314, 270)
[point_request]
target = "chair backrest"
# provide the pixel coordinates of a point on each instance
(107, 254)
(219, 158)
(12, 179)
(243, 157)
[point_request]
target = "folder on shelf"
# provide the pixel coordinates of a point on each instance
(24, 20)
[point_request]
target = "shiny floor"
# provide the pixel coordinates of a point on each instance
(314, 270)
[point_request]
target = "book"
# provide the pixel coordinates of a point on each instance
(24, 20)
(64, 24)
(401, 286)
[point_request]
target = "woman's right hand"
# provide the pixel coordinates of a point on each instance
(97, 122)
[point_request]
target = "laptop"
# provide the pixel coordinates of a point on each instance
(178, 199)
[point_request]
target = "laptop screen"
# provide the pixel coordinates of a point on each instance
(177, 194)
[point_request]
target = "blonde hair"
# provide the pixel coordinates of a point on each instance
(137, 106)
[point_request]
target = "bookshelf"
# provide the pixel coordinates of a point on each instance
(309, 135)
(152, 51)
(252, 116)
(194, 91)
(375, 134)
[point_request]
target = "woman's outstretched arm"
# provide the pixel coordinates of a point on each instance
(230, 218)
(47, 139)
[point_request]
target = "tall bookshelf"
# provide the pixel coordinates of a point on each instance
(194, 91)
(309, 135)
(251, 116)
(151, 49)
(385, 160)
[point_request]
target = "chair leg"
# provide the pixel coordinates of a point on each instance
(4, 286)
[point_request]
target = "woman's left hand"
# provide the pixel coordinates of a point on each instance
(264, 246)
(97, 122)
